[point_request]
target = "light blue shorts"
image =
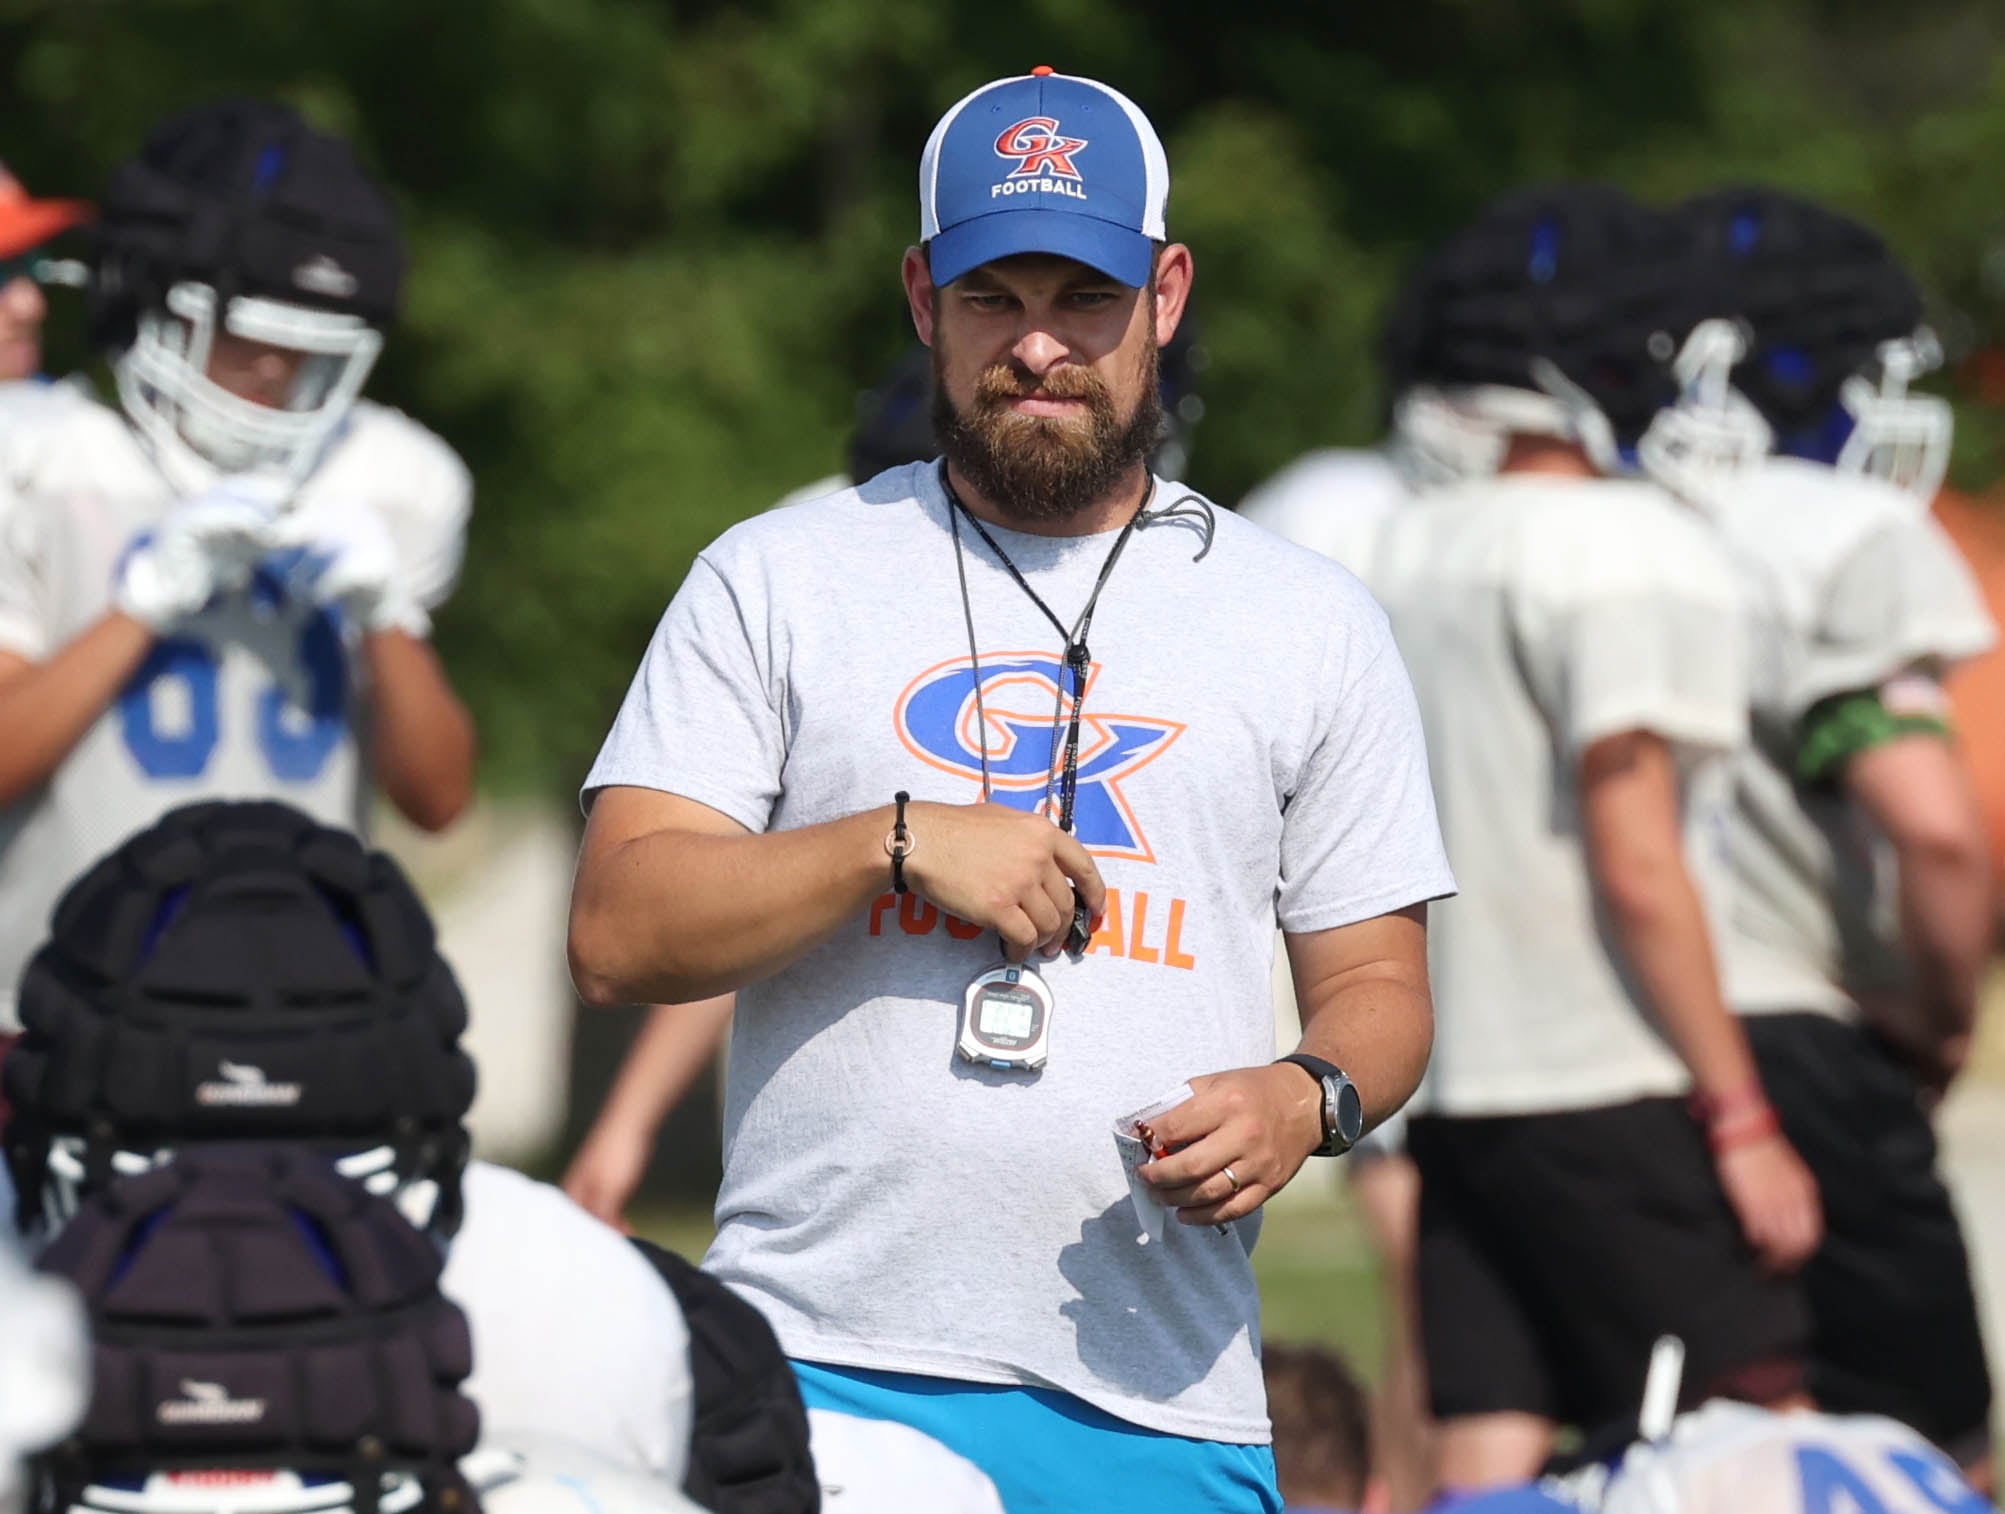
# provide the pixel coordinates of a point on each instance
(1050, 1453)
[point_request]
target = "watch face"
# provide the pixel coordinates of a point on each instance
(1349, 1115)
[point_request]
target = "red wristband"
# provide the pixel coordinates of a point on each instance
(1744, 1128)
(1710, 1110)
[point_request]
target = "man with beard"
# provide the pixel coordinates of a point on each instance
(983, 1049)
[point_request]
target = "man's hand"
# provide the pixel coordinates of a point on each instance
(1262, 1122)
(205, 547)
(1006, 869)
(1775, 1198)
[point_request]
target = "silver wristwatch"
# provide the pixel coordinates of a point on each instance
(1343, 1110)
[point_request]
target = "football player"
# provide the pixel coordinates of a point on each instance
(1573, 639)
(266, 1338)
(238, 973)
(312, 1366)
(223, 586)
(26, 227)
(1859, 1006)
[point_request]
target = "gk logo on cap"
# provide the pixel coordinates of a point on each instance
(1038, 148)
(1002, 175)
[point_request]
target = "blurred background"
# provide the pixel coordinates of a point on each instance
(655, 250)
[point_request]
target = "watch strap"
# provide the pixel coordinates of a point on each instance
(1315, 1067)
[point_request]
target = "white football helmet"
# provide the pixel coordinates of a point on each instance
(238, 218)
(1436, 440)
(197, 429)
(1713, 432)
(1486, 416)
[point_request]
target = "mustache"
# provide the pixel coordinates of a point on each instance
(1001, 383)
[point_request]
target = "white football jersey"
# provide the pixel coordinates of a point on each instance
(257, 697)
(875, 1466)
(1731, 1458)
(1848, 585)
(1537, 616)
(44, 1366)
(520, 1474)
(1332, 501)
(575, 1335)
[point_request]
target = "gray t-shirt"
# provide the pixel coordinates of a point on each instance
(1250, 752)
(1541, 615)
(1849, 584)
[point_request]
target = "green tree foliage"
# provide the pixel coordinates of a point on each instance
(656, 244)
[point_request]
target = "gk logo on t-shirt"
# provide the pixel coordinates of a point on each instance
(937, 720)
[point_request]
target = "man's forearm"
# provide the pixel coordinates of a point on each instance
(1946, 928)
(677, 915)
(46, 708)
(1667, 944)
(1376, 1022)
(422, 739)
(1918, 792)
(1635, 851)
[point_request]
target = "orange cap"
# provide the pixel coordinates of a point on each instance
(26, 222)
(1041, 70)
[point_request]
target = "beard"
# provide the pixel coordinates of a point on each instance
(1046, 468)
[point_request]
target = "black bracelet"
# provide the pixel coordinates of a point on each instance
(900, 845)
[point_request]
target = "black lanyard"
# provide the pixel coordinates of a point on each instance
(1075, 658)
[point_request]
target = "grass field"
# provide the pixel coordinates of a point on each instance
(1317, 1278)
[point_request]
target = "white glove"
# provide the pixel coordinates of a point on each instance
(206, 546)
(343, 555)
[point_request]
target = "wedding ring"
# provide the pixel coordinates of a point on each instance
(1232, 1180)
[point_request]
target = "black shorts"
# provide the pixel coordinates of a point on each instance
(1893, 1317)
(1556, 1248)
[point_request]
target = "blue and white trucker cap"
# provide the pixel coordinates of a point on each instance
(1046, 162)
